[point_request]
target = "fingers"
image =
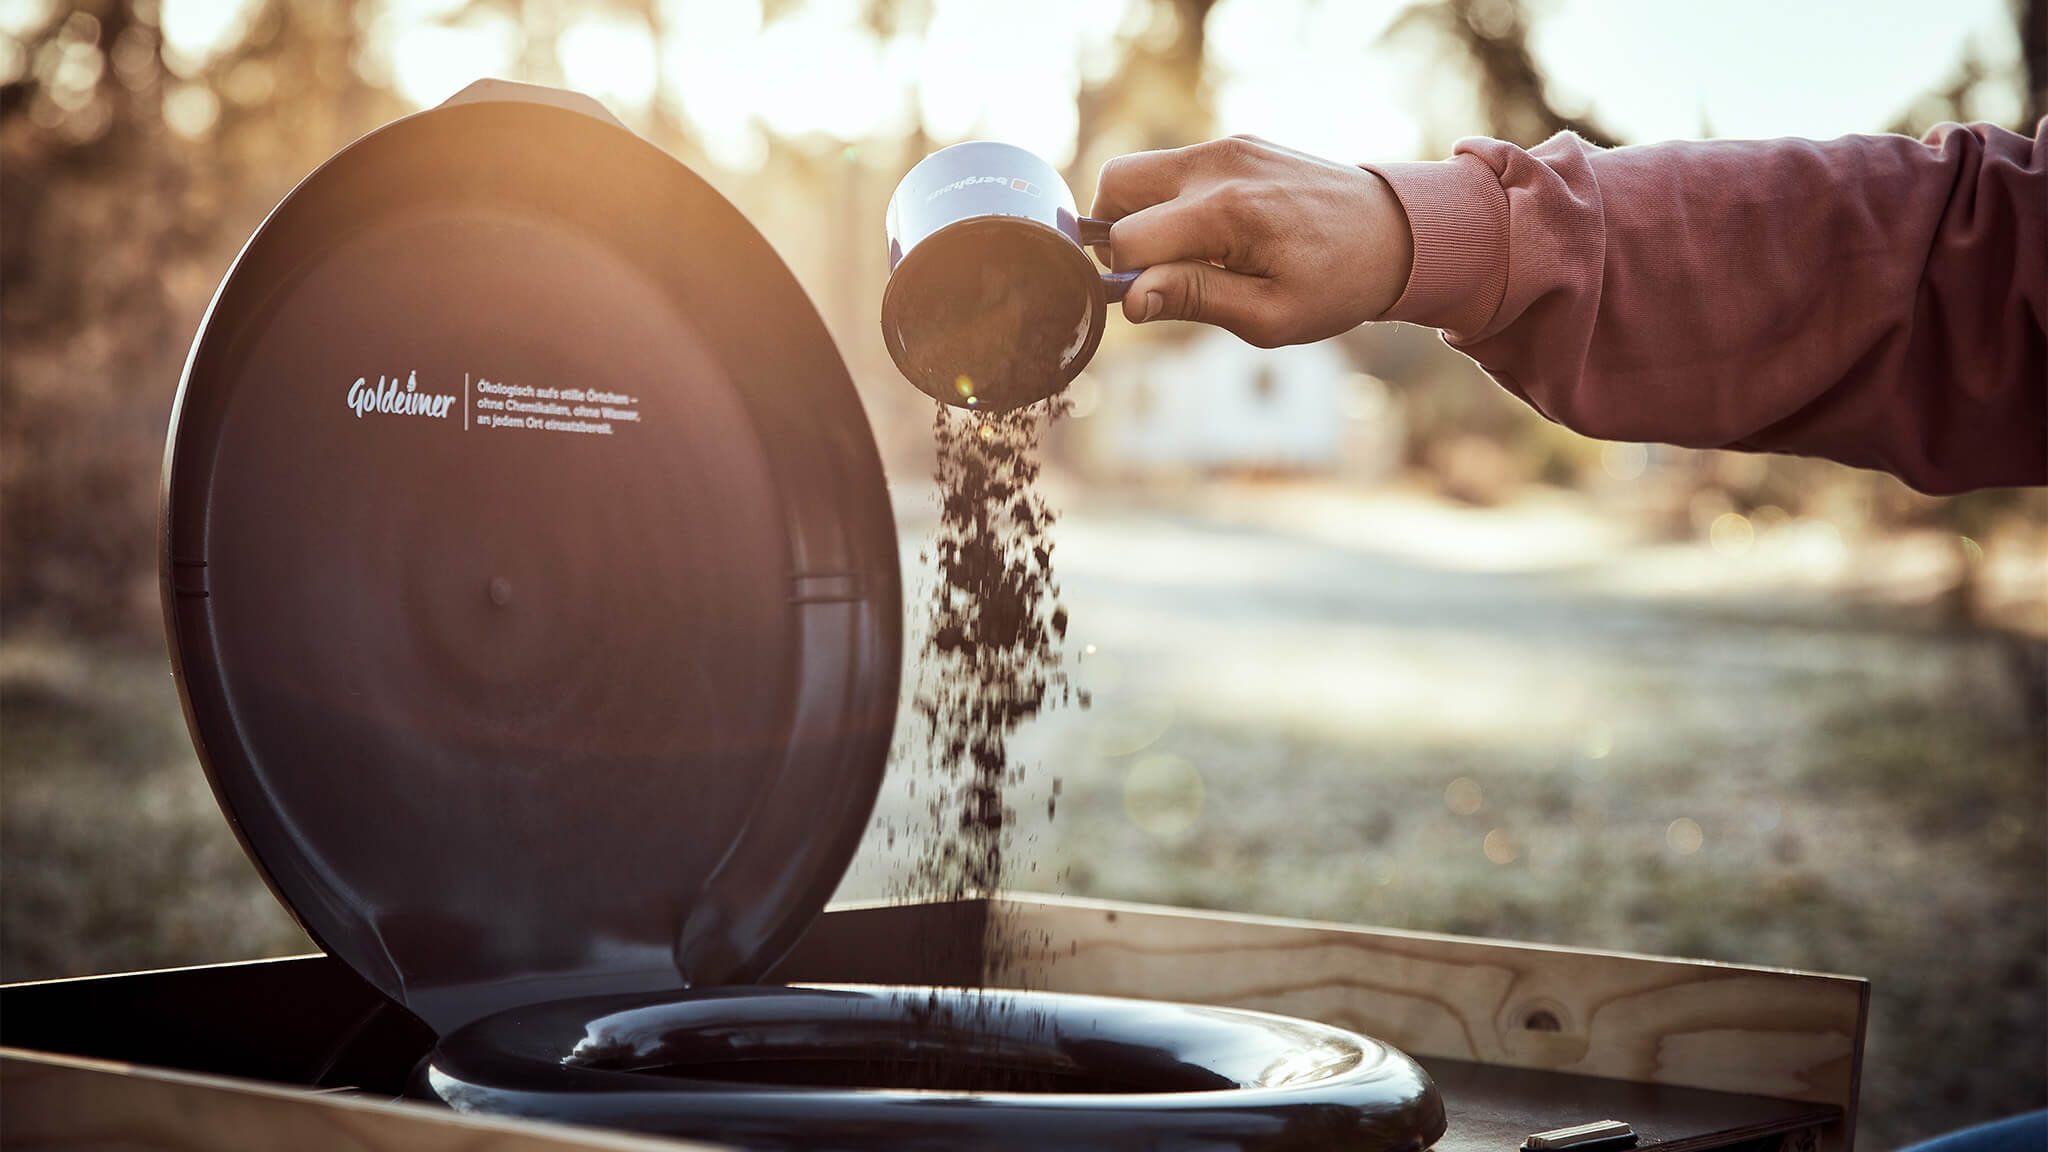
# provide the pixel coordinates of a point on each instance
(1205, 202)
(1142, 179)
(1214, 228)
(1181, 229)
(1138, 180)
(1196, 290)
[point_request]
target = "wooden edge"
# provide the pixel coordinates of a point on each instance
(49, 1101)
(259, 962)
(1690, 1023)
(1843, 1139)
(1035, 900)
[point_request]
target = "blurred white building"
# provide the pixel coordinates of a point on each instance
(1213, 403)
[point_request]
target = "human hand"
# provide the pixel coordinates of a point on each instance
(1275, 245)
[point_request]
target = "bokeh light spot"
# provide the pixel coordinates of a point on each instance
(1463, 796)
(1684, 836)
(190, 110)
(195, 30)
(1499, 846)
(1731, 534)
(432, 62)
(611, 58)
(1817, 545)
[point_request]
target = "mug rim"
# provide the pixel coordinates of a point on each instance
(1079, 263)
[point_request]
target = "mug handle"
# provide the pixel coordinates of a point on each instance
(1114, 284)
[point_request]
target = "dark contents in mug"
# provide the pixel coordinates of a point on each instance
(990, 318)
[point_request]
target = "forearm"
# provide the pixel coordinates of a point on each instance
(1875, 300)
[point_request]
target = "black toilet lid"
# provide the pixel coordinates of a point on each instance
(528, 568)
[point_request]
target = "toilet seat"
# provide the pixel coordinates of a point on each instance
(506, 709)
(530, 584)
(1148, 1074)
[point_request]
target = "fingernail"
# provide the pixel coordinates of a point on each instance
(1154, 305)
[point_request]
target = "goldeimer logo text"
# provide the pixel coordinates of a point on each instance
(389, 397)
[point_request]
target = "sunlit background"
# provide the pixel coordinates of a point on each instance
(1325, 77)
(1366, 639)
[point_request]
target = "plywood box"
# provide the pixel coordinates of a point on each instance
(1520, 1038)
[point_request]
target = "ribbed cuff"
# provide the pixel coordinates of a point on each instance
(1458, 214)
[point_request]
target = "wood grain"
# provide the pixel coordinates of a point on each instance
(1655, 1020)
(58, 1102)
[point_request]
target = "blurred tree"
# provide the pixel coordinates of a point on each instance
(1959, 98)
(1158, 95)
(118, 227)
(1494, 36)
(88, 187)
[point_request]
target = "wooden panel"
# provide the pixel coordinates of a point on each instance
(57, 1102)
(1693, 1024)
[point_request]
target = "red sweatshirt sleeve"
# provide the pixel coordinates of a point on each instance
(1876, 300)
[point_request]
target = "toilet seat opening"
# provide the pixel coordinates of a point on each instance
(908, 1039)
(1026, 1073)
(867, 1066)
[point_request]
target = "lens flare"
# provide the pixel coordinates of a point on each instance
(1499, 846)
(964, 385)
(1463, 797)
(1731, 534)
(1684, 836)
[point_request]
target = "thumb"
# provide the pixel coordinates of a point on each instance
(1200, 291)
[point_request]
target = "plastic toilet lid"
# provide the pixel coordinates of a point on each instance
(528, 568)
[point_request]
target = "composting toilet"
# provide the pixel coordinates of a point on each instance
(531, 585)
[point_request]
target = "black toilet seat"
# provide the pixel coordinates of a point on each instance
(1148, 1074)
